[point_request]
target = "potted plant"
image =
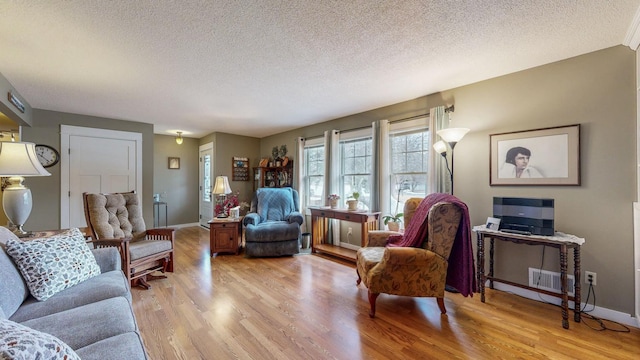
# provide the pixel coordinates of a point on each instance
(333, 200)
(352, 202)
(393, 221)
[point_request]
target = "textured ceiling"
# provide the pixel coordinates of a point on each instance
(262, 67)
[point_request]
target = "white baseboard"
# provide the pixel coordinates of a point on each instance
(600, 312)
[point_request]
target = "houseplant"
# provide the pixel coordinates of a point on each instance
(333, 200)
(352, 202)
(393, 221)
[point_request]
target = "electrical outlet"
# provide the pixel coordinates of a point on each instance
(590, 275)
(350, 231)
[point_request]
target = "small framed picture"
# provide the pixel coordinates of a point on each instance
(493, 223)
(174, 163)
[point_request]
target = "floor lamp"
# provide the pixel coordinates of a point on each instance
(451, 136)
(18, 159)
(221, 189)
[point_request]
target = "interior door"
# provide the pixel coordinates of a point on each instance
(206, 184)
(99, 161)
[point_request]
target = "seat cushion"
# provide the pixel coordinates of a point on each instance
(123, 346)
(272, 231)
(104, 286)
(143, 248)
(21, 342)
(366, 259)
(52, 264)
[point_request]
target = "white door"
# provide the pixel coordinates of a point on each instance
(206, 184)
(99, 161)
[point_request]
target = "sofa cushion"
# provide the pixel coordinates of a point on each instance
(21, 342)
(104, 286)
(14, 289)
(87, 324)
(123, 346)
(52, 264)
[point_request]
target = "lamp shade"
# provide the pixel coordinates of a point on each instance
(452, 135)
(221, 186)
(20, 159)
(440, 147)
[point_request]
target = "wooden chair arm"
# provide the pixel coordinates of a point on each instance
(160, 234)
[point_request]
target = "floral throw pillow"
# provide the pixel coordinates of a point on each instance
(20, 342)
(52, 264)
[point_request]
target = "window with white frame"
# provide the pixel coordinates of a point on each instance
(409, 155)
(314, 157)
(356, 157)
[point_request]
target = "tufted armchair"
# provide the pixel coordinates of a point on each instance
(273, 223)
(116, 220)
(410, 271)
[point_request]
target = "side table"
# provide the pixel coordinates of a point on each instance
(225, 235)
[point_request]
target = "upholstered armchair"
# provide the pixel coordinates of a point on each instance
(410, 271)
(273, 223)
(116, 220)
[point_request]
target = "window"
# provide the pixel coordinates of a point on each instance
(356, 166)
(409, 154)
(314, 172)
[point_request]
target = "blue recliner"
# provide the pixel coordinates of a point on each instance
(273, 223)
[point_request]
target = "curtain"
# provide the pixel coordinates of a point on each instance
(299, 176)
(438, 175)
(380, 181)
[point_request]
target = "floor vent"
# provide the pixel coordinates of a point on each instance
(549, 280)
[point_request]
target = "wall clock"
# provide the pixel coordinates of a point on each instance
(47, 155)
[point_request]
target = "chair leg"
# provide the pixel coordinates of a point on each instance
(443, 310)
(372, 302)
(359, 279)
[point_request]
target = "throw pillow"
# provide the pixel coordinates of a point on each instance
(20, 342)
(52, 264)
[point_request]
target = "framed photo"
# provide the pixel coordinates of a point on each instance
(549, 156)
(174, 163)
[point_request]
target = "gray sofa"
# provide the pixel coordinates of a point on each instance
(94, 318)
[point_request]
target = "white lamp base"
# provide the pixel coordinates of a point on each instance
(17, 204)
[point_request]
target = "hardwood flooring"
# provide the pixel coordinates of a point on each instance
(309, 307)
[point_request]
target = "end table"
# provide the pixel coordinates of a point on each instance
(225, 235)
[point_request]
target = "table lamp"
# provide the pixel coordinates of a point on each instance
(17, 160)
(221, 188)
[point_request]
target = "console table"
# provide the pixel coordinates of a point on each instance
(561, 241)
(320, 223)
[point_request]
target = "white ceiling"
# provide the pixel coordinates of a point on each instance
(265, 66)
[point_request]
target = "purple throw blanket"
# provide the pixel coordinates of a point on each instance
(461, 270)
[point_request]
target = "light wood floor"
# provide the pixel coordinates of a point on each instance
(308, 307)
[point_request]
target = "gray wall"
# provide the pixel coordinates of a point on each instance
(596, 90)
(46, 190)
(177, 187)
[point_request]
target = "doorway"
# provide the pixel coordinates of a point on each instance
(206, 184)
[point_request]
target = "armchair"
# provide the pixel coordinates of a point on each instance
(115, 220)
(273, 223)
(411, 271)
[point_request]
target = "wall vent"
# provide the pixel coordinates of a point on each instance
(549, 280)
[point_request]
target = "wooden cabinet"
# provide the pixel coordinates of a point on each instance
(225, 235)
(274, 176)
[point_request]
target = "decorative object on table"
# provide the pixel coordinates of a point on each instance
(47, 155)
(230, 202)
(333, 200)
(174, 163)
(451, 136)
(393, 221)
(179, 138)
(274, 153)
(240, 168)
(352, 202)
(221, 189)
(282, 152)
(548, 156)
(264, 162)
(17, 160)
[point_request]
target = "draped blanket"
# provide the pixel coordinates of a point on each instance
(461, 270)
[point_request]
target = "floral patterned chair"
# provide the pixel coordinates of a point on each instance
(410, 271)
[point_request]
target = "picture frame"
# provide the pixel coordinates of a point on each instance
(547, 156)
(174, 163)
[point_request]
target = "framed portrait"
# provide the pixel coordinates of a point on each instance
(549, 156)
(174, 163)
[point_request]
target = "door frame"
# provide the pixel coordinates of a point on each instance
(66, 131)
(202, 148)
